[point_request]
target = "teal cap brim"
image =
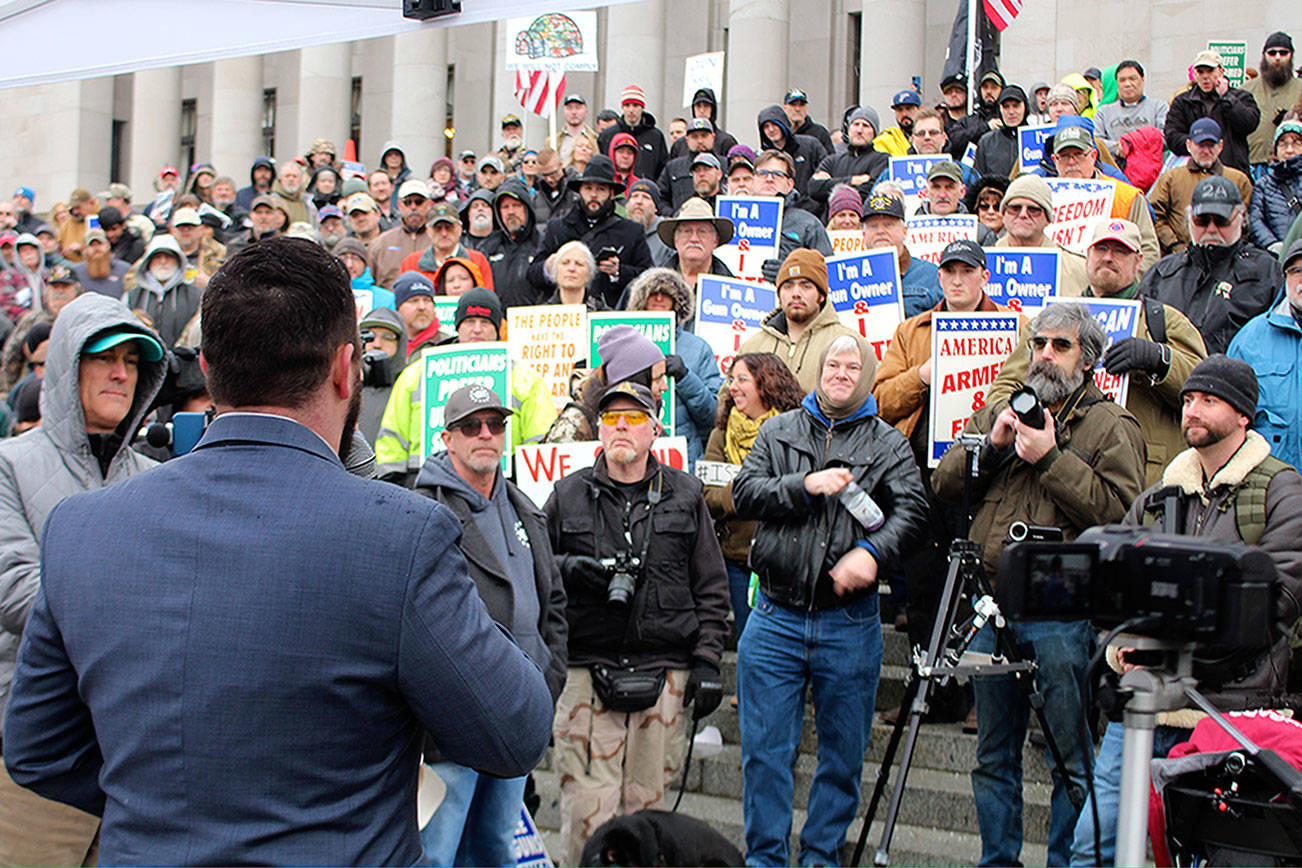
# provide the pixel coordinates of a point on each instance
(150, 348)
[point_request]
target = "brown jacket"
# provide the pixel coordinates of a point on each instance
(386, 252)
(1090, 477)
(802, 356)
(1155, 405)
(1172, 193)
(900, 393)
(734, 534)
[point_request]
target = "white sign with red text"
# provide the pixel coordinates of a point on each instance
(928, 234)
(551, 338)
(540, 465)
(728, 311)
(967, 351)
(1079, 203)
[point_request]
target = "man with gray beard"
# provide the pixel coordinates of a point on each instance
(1081, 467)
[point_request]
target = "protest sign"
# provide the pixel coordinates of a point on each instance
(658, 326)
(865, 290)
(716, 472)
(1030, 146)
(552, 42)
(967, 351)
(1022, 277)
(969, 155)
(364, 301)
(448, 368)
(1233, 60)
(728, 311)
(1120, 319)
(550, 338)
(927, 234)
(910, 172)
(846, 241)
(445, 308)
(702, 70)
(539, 465)
(757, 224)
(530, 849)
(1079, 203)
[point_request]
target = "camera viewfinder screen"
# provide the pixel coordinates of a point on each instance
(1059, 584)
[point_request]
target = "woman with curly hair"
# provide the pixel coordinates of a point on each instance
(759, 387)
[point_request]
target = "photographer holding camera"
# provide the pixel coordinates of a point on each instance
(647, 611)
(1079, 464)
(1226, 487)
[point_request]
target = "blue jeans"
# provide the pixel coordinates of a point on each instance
(475, 823)
(838, 652)
(738, 591)
(1062, 653)
(1107, 792)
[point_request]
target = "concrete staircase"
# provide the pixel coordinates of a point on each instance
(937, 824)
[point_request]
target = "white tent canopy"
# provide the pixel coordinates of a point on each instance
(68, 40)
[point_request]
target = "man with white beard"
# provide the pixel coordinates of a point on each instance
(477, 218)
(162, 290)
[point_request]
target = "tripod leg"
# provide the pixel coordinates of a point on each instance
(884, 770)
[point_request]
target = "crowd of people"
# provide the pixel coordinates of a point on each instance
(623, 589)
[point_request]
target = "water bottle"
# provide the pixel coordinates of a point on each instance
(861, 506)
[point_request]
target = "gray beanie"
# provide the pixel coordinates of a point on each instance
(625, 351)
(1232, 380)
(866, 113)
(1031, 187)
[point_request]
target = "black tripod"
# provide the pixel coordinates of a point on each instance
(942, 662)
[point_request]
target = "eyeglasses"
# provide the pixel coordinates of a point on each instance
(632, 418)
(771, 173)
(927, 134)
(1293, 271)
(987, 206)
(1032, 210)
(472, 427)
(1060, 345)
(1202, 220)
(414, 201)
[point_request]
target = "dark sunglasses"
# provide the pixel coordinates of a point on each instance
(1060, 345)
(1204, 219)
(472, 427)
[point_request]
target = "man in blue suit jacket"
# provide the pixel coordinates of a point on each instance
(233, 657)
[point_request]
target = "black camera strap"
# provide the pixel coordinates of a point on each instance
(654, 494)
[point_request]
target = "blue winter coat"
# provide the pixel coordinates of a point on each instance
(920, 286)
(696, 395)
(1272, 344)
(1276, 201)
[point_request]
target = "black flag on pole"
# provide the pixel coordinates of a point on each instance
(986, 51)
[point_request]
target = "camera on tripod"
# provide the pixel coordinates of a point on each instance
(1169, 587)
(622, 569)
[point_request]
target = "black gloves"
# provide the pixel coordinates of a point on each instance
(583, 572)
(675, 366)
(1137, 354)
(704, 689)
(769, 268)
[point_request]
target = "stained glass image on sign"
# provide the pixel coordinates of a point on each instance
(551, 35)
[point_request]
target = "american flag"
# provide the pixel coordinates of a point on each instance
(539, 92)
(1002, 12)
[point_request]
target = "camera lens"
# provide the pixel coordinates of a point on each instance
(619, 592)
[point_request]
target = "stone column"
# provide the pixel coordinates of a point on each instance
(324, 97)
(635, 54)
(235, 106)
(894, 38)
(419, 97)
(758, 33)
(155, 132)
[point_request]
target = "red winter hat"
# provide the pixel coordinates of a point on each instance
(633, 93)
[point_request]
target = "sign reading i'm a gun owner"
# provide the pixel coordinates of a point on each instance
(728, 311)
(864, 288)
(757, 221)
(967, 351)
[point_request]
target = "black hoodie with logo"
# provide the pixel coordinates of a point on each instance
(509, 254)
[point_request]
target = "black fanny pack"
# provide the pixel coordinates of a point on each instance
(627, 689)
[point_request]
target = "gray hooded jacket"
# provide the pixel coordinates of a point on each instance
(43, 466)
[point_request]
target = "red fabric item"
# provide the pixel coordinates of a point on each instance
(623, 140)
(1266, 729)
(1142, 150)
(485, 272)
(425, 334)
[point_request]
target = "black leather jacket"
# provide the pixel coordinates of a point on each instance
(801, 537)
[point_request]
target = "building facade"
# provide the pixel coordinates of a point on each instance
(441, 90)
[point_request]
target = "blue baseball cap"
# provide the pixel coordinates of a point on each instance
(151, 350)
(26, 192)
(1205, 130)
(906, 97)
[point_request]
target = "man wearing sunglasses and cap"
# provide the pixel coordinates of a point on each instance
(648, 603)
(504, 539)
(1220, 281)
(102, 371)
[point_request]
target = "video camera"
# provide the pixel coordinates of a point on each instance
(1164, 586)
(377, 366)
